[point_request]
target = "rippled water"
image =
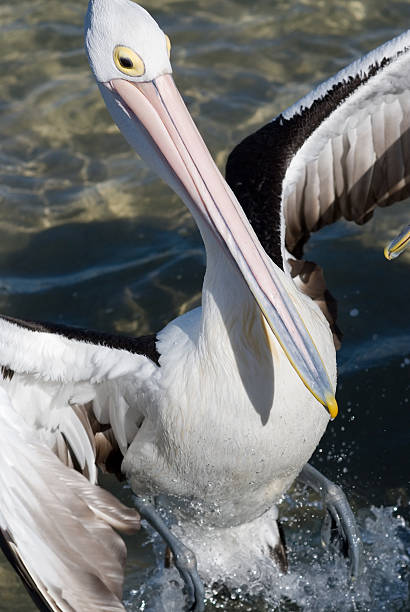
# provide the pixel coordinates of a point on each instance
(88, 236)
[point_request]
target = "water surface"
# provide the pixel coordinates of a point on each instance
(90, 237)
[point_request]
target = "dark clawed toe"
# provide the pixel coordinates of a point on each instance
(183, 558)
(340, 523)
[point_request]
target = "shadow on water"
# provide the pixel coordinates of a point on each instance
(102, 274)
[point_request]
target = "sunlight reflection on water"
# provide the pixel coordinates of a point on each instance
(83, 223)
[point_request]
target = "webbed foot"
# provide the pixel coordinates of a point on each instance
(184, 558)
(340, 521)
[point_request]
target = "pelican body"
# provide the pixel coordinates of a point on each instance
(227, 422)
(227, 425)
(217, 414)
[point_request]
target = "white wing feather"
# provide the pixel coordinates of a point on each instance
(60, 525)
(57, 525)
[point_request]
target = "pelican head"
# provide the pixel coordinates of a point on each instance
(129, 56)
(124, 41)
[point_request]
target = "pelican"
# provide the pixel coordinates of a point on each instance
(219, 412)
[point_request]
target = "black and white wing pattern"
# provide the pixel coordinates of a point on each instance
(67, 403)
(339, 152)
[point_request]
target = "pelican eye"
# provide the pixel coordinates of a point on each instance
(168, 45)
(125, 62)
(128, 62)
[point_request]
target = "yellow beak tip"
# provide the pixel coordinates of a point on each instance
(332, 407)
(387, 253)
(397, 246)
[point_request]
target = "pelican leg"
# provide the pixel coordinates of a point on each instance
(339, 519)
(184, 558)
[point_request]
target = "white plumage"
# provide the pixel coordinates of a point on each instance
(221, 410)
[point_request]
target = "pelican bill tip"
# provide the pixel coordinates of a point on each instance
(331, 405)
(397, 246)
(387, 253)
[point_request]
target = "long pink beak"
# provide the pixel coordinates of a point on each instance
(169, 140)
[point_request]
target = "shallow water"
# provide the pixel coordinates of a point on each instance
(90, 237)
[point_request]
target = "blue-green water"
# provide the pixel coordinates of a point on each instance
(90, 237)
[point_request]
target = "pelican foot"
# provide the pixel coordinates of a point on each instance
(339, 523)
(184, 558)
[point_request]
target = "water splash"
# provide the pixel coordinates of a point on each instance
(321, 582)
(317, 580)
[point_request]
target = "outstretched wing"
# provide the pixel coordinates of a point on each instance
(340, 152)
(67, 402)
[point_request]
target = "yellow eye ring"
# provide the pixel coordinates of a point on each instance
(128, 62)
(168, 45)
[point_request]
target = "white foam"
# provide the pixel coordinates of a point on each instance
(318, 579)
